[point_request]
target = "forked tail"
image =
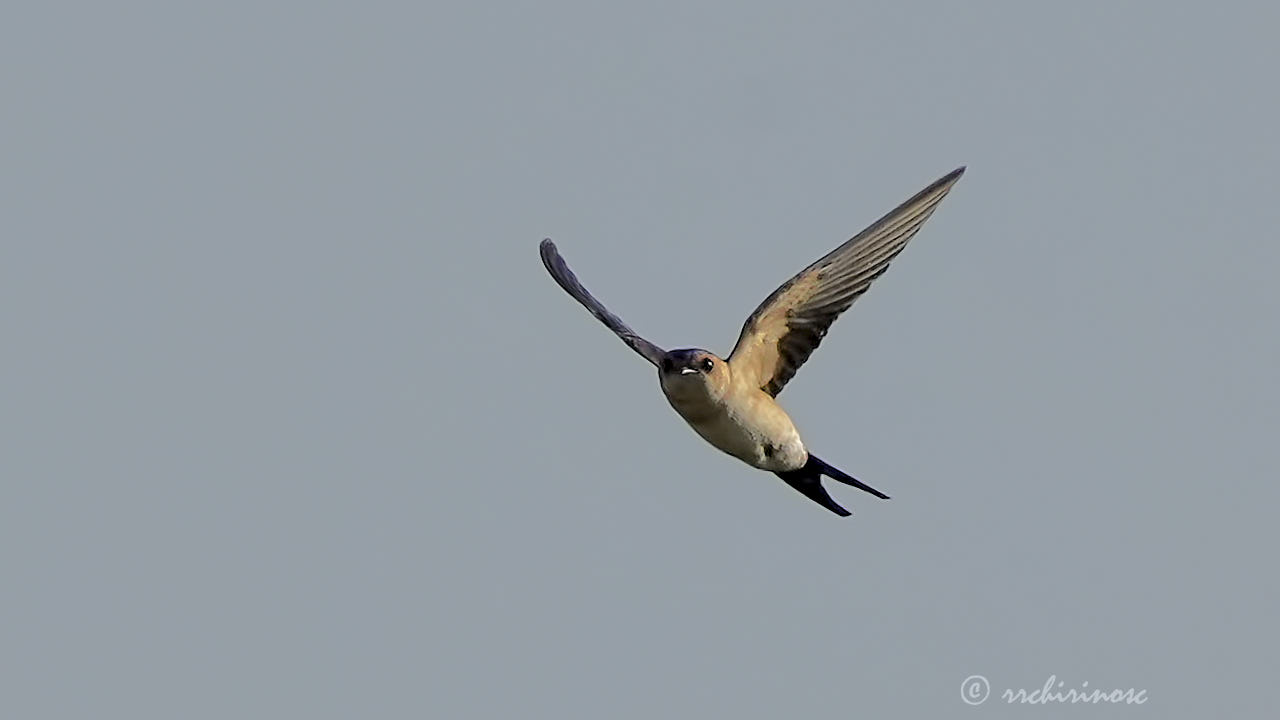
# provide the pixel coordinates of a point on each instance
(808, 481)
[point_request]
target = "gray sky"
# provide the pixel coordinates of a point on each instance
(296, 425)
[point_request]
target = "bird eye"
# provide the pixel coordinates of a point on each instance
(708, 365)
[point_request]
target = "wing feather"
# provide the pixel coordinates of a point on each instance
(788, 326)
(564, 276)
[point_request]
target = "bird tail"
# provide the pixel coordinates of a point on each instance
(808, 481)
(831, 472)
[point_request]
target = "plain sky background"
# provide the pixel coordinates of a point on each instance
(296, 425)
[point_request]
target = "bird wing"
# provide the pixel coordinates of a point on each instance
(785, 330)
(567, 280)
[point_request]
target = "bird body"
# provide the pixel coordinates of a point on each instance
(731, 402)
(733, 416)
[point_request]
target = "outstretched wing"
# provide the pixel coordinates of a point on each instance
(785, 330)
(567, 280)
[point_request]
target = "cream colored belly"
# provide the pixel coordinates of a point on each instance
(760, 435)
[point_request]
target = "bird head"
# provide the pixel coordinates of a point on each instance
(693, 371)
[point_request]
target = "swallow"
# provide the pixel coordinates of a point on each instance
(732, 403)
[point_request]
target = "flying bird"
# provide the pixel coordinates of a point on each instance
(732, 402)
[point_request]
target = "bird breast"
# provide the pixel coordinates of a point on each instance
(748, 425)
